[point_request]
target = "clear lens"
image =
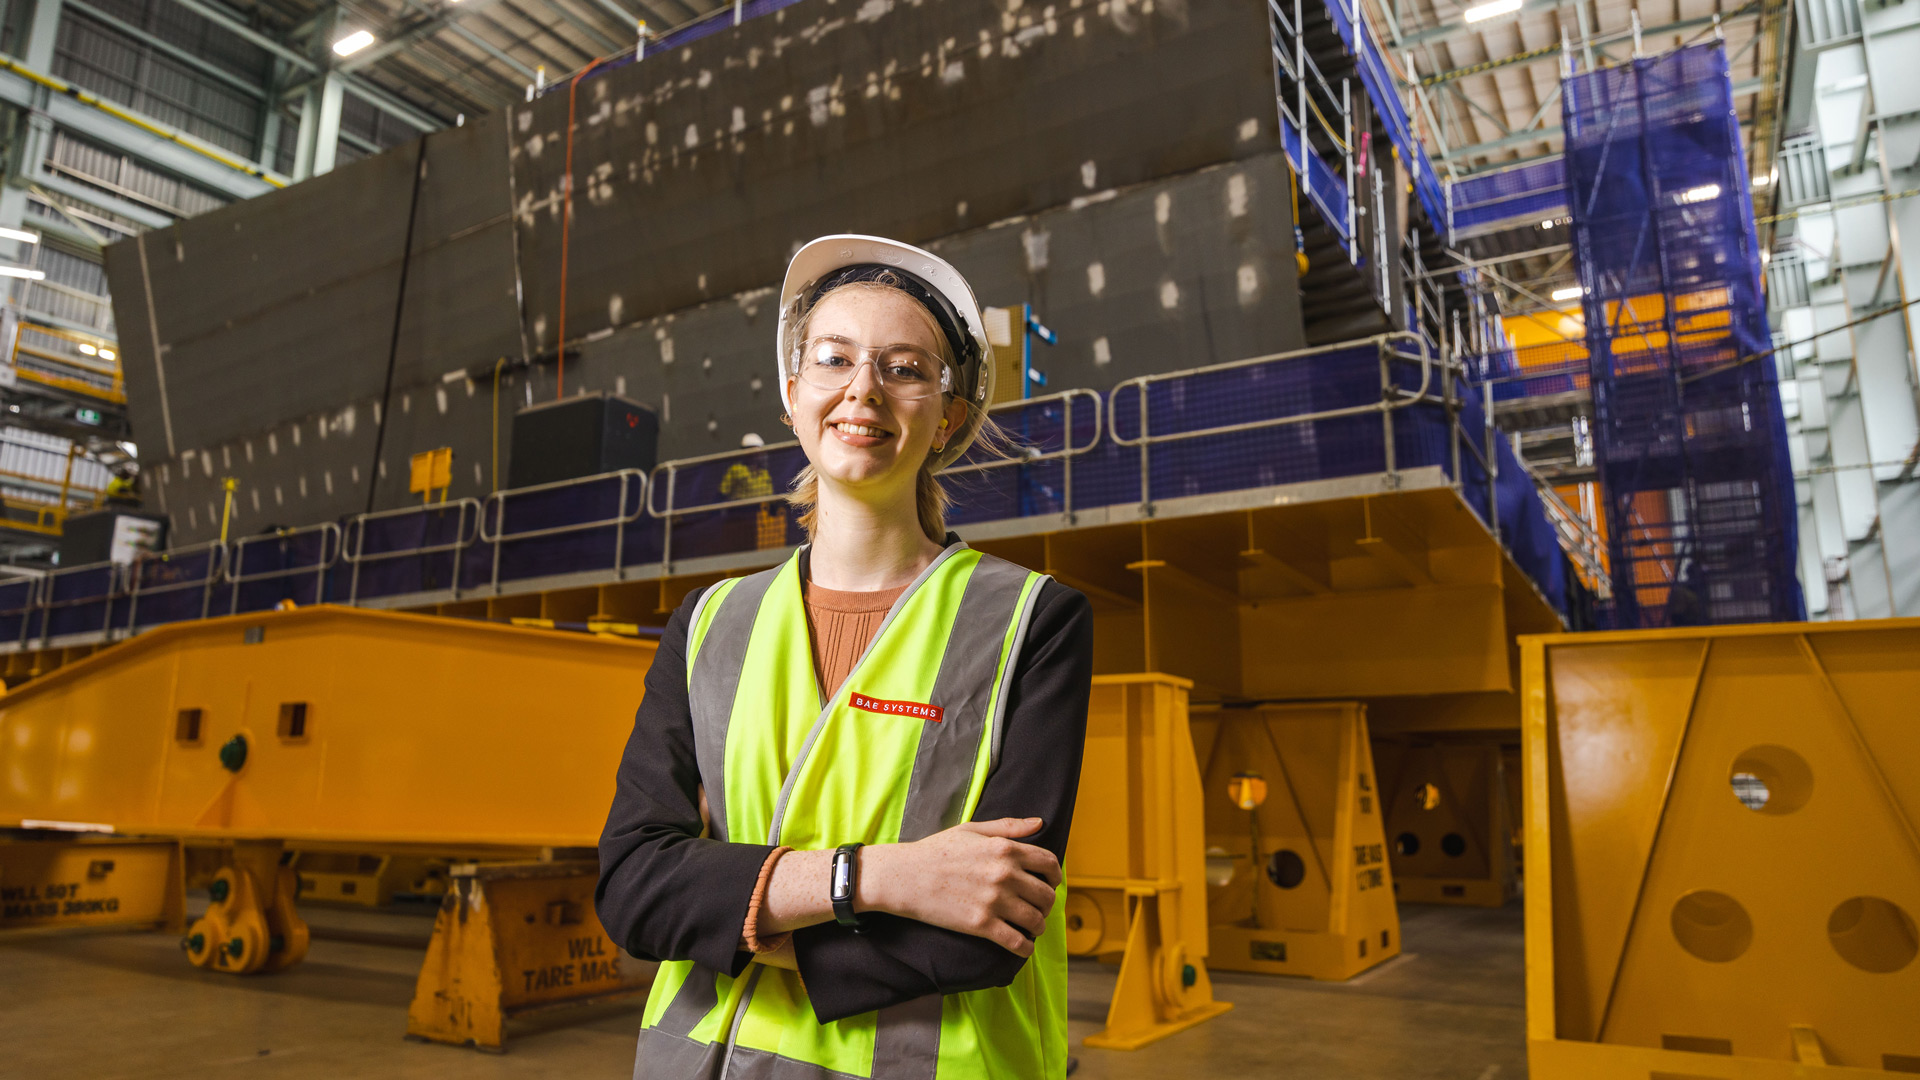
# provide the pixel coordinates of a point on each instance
(906, 371)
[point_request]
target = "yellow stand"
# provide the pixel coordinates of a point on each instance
(511, 938)
(1449, 823)
(1136, 866)
(1293, 824)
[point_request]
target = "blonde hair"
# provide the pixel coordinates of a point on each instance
(931, 500)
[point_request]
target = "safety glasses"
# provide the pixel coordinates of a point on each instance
(906, 372)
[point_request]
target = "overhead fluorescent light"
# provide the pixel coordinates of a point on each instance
(1763, 180)
(1490, 9)
(1700, 194)
(22, 272)
(21, 235)
(1571, 292)
(353, 43)
(107, 354)
(88, 350)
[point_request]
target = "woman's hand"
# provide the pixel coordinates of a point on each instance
(976, 878)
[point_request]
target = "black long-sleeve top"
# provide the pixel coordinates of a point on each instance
(666, 893)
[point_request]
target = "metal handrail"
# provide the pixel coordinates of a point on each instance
(498, 500)
(238, 559)
(673, 467)
(1067, 449)
(216, 570)
(47, 604)
(353, 538)
(1578, 537)
(239, 549)
(36, 583)
(1385, 404)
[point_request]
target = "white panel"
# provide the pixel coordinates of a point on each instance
(1846, 430)
(1813, 403)
(1813, 577)
(1900, 519)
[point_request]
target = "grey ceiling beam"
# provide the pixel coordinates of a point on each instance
(366, 91)
(1552, 52)
(607, 45)
(585, 56)
(251, 89)
(1447, 30)
(493, 50)
(1527, 138)
(418, 31)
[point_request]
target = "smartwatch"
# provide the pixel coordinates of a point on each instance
(844, 877)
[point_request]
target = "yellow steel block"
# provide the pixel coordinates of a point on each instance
(58, 881)
(358, 730)
(1305, 887)
(1136, 862)
(1449, 830)
(1723, 863)
(363, 879)
(511, 938)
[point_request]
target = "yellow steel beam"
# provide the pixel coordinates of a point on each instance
(329, 724)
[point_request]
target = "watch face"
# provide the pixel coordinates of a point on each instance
(842, 877)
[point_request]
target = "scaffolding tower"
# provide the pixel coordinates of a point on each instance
(1690, 442)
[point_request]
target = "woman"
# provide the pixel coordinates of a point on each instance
(839, 819)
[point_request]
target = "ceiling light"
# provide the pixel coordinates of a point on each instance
(1699, 194)
(107, 354)
(353, 43)
(21, 235)
(1571, 292)
(88, 349)
(22, 272)
(1762, 181)
(1489, 9)
(1547, 224)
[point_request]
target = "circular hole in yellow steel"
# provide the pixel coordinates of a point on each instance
(1711, 926)
(1771, 779)
(1873, 934)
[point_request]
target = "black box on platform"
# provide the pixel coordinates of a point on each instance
(110, 534)
(581, 436)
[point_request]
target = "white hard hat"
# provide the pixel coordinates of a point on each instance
(843, 257)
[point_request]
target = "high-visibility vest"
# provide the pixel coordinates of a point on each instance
(899, 752)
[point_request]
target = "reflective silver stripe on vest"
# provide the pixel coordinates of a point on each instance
(964, 688)
(715, 681)
(699, 992)
(749, 1064)
(662, 1055)
(906, 1040)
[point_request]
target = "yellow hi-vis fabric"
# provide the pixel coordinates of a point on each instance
(897, 753)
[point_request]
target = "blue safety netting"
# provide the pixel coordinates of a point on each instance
(1318, 180)
(1523, 195)
(1690, 441)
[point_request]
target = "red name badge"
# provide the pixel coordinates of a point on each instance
(916, 709)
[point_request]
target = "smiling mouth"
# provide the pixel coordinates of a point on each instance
(863, 430)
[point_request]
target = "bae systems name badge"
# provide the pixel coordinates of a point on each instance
(917, 709)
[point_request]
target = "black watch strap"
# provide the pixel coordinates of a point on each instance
(842, 881)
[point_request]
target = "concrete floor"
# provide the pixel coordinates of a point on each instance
(103, 1006)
